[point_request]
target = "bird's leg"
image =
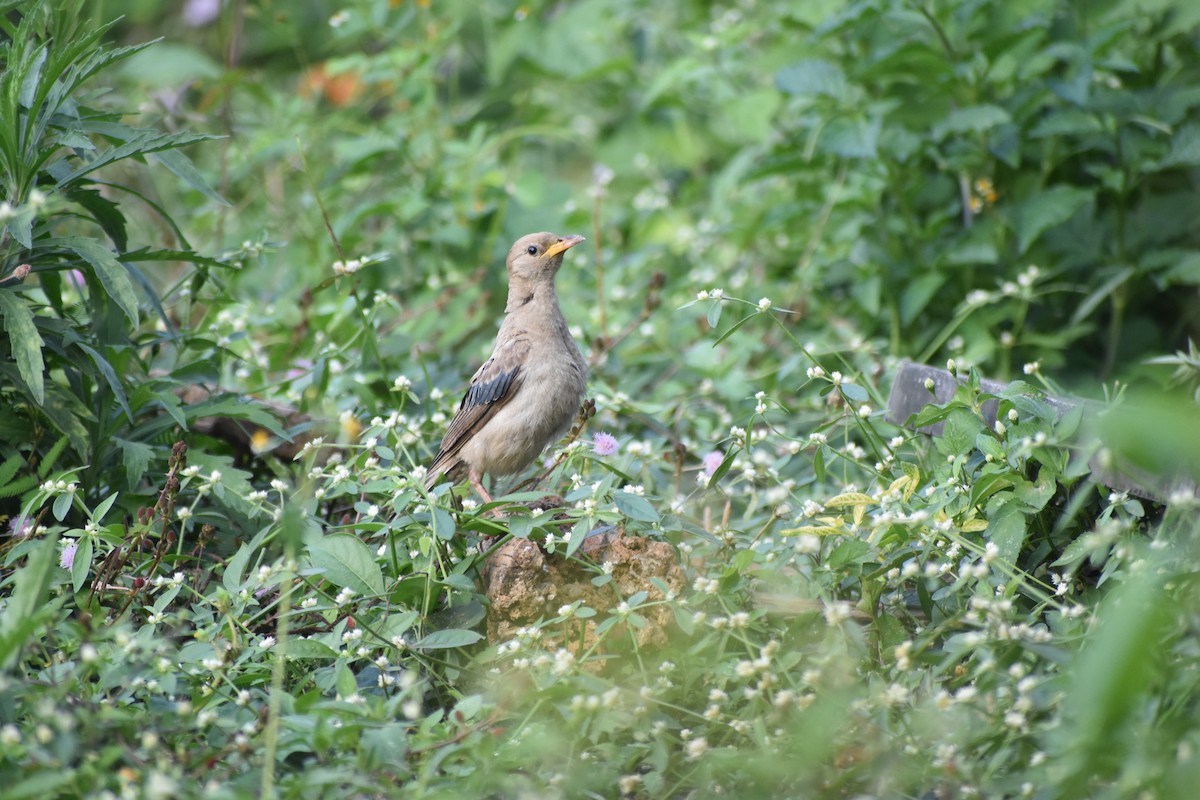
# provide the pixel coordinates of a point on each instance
(476, 480)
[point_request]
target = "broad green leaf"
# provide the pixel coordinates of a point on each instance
(1007, 530)
(1185, 147)
(26, 343)
(347, 562)
(236, 568)
(62, 504)
(812, 77)
(849, 552)
(958, 435)
(309, 648)
(973, 119)
(634, 506)
(440, 640)
(1046, 209)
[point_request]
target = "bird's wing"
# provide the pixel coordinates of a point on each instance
(492, 386)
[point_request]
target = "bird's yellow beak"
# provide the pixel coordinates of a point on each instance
(562, 245)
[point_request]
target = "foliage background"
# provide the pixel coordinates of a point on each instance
(1008, 185)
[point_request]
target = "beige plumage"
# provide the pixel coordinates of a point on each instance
(528, 392)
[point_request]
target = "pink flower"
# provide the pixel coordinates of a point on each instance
(604, 444)
(67, 559)
(712, 461)
(20, 526)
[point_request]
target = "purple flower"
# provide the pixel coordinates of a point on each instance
(20, 526)
(604, 444)
(198, 13)
(712, 461)
(67, 559)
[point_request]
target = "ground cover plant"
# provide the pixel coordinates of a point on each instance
(245, 272)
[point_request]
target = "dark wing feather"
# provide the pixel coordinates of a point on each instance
(492, 386)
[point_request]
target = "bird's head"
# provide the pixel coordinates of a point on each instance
(537, 256)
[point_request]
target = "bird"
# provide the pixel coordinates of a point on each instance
(527, 394)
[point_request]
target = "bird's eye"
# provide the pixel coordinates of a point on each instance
(532, 249)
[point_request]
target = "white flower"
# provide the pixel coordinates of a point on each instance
(696, 748)
(1033, 368)
(339, 19)
(700, 295)
(764, 304)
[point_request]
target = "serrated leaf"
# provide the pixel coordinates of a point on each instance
(309, 648)
(347, 563)
(183, 168)
(1046, 209)
(851, 551)
(25, 343)
(1185, 147)
(109, 270)
(958, 436)
(135, 457)
(973, 119)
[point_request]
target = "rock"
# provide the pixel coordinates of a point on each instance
(526, 584)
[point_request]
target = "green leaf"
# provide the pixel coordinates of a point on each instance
(634, 507)
(973, 119)
(347, 563)
(25, 342)
(236, 568)
(854, 393)
(102, 509)
(851, 551)
(62, 504)
(1007, 530)
(110, 375)
(135, 457)
(82, 564)
(714, 314)
(309, 648)
(443, 523)
(451, 637)
(31, 583)
(1046, 209)
(183, 168)
(1185, 147)
(812, 77)
(108, 269)
(1101, 293)
(958, 436)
